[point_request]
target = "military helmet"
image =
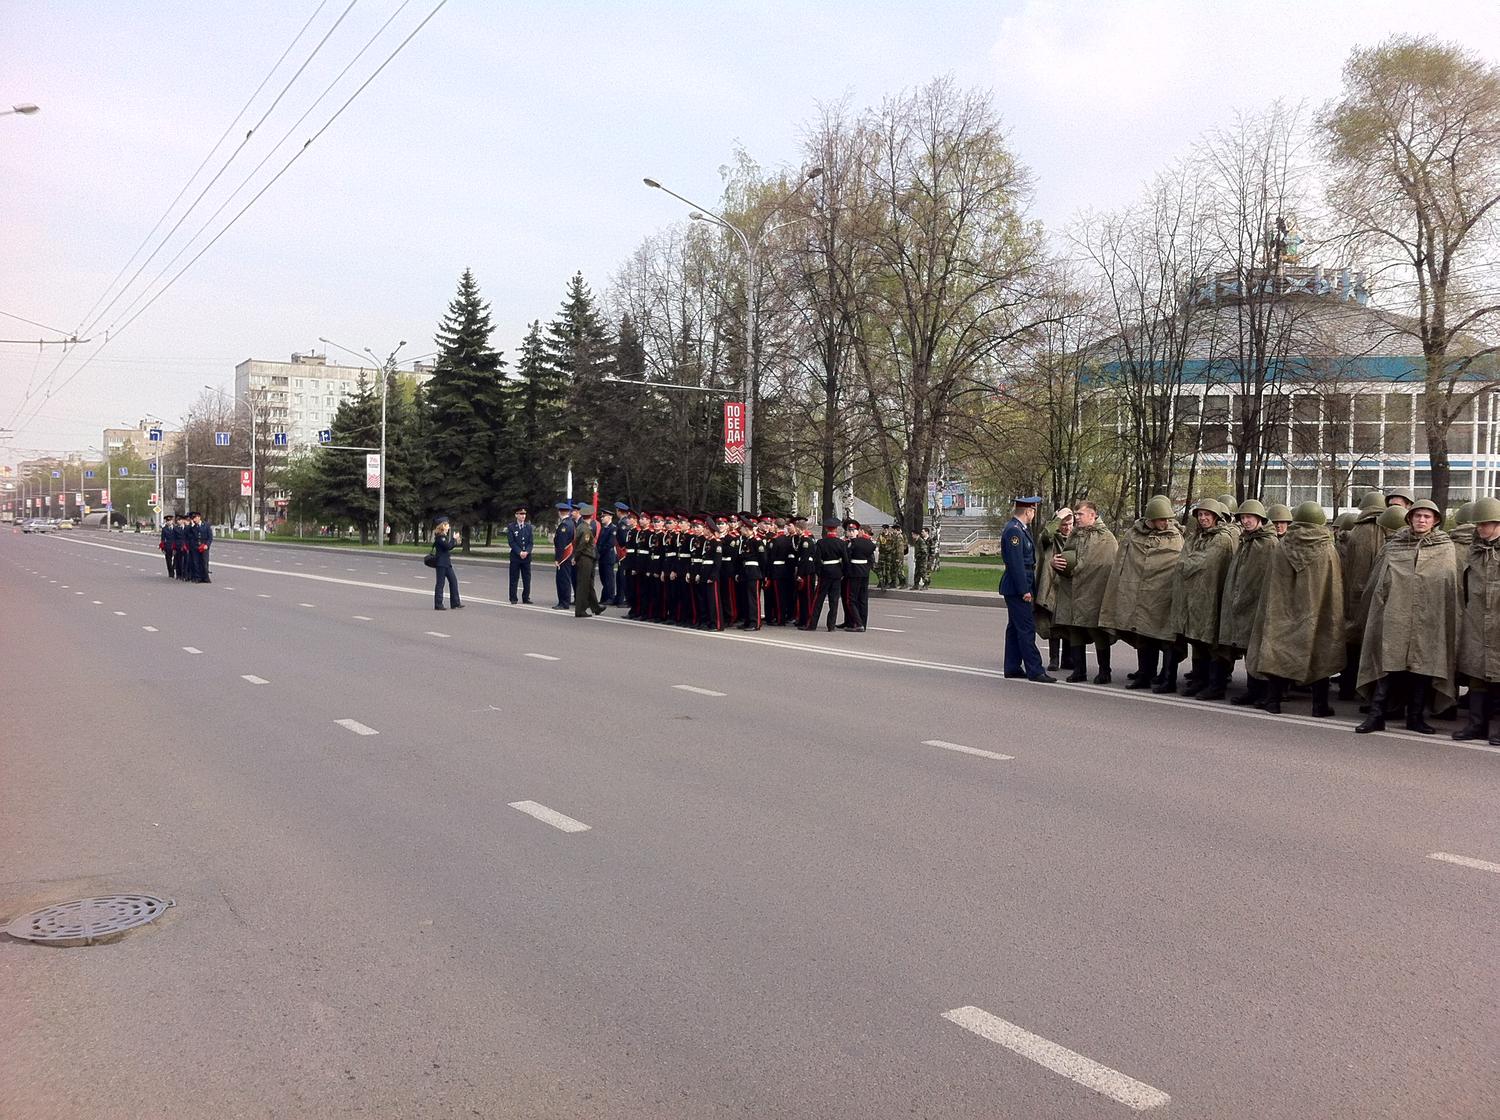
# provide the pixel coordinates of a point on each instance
(1372, 502)
(1485, 509)
(1345, 520)
(1230, 503)
(1465, 514)
(1393, 518)
(1310, 513)
(1422, 503)
(1254, 508)
(1279, 512)
(1158, 507)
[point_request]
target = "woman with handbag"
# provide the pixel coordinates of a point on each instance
(440, 560)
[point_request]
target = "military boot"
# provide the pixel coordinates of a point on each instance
(1218, 679)
(1080, 663)
(1255, 690)
(1274, 693)
(1167, 681)
(1199, 676)
(1145, 671)
(1416, 706)
(1321, 707)
(1481, 707)
(1375, 721)
(1101, 655)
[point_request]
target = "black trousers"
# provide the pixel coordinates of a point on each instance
(520, 570)
(444, 573)
(831, 589)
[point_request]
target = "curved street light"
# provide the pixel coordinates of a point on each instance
(752, 316)
(25, 109)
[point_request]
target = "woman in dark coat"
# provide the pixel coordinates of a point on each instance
(443, 540)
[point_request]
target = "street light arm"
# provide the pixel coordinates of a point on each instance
(711, 214)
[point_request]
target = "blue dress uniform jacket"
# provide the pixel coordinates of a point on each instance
(442, 545)
(1019, 554)
(521, 539)
(1019, 580)
(562, 547)
(606, 539)
(205, 533)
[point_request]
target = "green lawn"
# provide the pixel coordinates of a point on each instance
(991, 561)
(967, 579)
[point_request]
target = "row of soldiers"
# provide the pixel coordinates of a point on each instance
(185, 543)
(712, 572)
(1399, 611)
(892, 548)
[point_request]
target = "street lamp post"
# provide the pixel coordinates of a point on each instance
(25, 109)
(255, 513)
(387, 368)
(752, 311)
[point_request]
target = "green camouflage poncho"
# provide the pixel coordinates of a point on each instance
(1479, 629)
(1299, 628)
(1201, 571)
(1362, 545)
(1049, 543)
(1412, 622)
(1243, 586)
(1080, 590)
(1138, 600)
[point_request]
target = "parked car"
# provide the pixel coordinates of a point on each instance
(67, 523)
(28, 525)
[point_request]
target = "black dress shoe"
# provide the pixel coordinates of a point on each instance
(1077, 676)
(1420, 726)
(1103, 677)
(458, 606)
(526, 602)
(563, 607)
(1043, 679)
(1138, 683)
(440, 607)
(1015, 676)
(1372, 722)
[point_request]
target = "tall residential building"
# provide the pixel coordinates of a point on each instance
(300, 396)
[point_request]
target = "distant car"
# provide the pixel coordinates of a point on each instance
(67, 523)
(29, 525)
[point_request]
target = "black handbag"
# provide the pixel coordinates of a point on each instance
(430, 559)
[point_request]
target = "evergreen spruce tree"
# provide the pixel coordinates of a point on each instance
(539, 400)
(581, 353)
(470, 440)
(339, 494)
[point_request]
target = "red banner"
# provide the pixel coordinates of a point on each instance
(734, 431)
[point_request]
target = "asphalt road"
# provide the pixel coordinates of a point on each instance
(787, 901)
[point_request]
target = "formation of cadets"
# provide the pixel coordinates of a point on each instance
(711, 572)
(1383, 605)
(185, 543)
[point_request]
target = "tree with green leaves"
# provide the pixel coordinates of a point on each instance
(471, 442)
(1415, 146)
(580, 352)
(539, 400)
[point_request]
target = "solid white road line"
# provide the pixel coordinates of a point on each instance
(253, 679)
(150, 629)
(549, 816)
(1059, 1059)
(191, 649)
(543, 657)
(928, 610)
(355, 726)
(699, 691)
(438, 634)
(906, 616)
(967, 750)
(1467, 861)
(885, 629)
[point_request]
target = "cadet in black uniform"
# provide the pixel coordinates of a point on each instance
(522, 540)
(857, 584)
(205, 539)
(186, 540)
(562, 556)
(752, 554)
(168, 543)
(831, 556)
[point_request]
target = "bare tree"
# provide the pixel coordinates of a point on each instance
(1414, 142)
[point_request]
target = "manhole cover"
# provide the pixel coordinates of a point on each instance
(87, 920)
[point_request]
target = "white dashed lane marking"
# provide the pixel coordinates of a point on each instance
(253, 679)
(1467, 861)
(543, 657)
(304, 604)
(262, 595)
(120, 613)
(697, 690)
(947, 746)
(355, 726)
(98, 602)
(549, 816)
(1059, 1059)
(438, 634)
(150, 629)
(363, 618)
(191, 649)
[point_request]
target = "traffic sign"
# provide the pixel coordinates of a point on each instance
(151, 466)
(278, 439)
(182, 488)
(124, 472)
(155, 435)
(221, 439)
(325, 435)
(88, 474)
(153, 499)
(57, 474)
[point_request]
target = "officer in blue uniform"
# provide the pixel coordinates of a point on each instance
(605, 541)
(562, 555)
(519, 536)
(1018, 585)
(205, 540)
(169, 543)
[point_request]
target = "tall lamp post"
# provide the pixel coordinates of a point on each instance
(24, 109)
(255, 517)
(387, 368)
(752, 310)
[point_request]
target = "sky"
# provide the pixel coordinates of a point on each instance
(512, 138)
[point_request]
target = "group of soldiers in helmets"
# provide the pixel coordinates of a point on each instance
(185, 541)
(715, 571)
(1383, 604)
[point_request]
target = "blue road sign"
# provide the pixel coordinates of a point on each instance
(278, 439)
(151, 466)
(221, 439)
(124, 472)
(57, 474)
(155, 435)
(325, 435)
(88, 474)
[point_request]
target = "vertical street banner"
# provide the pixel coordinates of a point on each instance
(182, 488)
(734, 431)
(247, 483)
(372, 472)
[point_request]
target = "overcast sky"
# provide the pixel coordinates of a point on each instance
(512, 138)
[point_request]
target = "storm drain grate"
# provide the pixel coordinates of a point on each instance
(87, 920)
